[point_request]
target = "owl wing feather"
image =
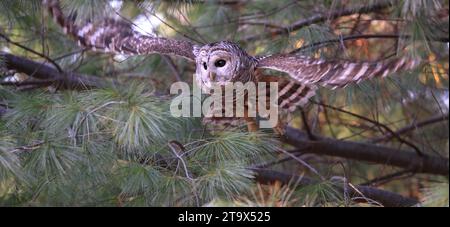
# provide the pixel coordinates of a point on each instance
(291, 94)
(114, 36)
(333, 74)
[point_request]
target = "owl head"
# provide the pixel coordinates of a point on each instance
(223, 62)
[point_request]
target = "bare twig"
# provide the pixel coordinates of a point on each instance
(384, 179)
(412, 127)
(356, 37)
(173, 67)
(385, 198)
(323, 17)
(298, 159)
(306, 124)
(177, 149)
(27, 148)
(3, 110)
(385, 127)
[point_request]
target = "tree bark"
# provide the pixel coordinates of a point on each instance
(45, 71)
(2, 110)
(368, 152)
(385, 198)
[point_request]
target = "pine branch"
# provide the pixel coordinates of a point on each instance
(363, 36)
(388, 178)
(412, 127)
(6, 38)
(321, 18)
(2, 110)
(368, 152)
(385, 198)
(222, 2)
(375, 123)
(45, 72)
(29, 82)
(173, 67)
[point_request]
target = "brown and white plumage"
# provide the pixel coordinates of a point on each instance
(291, 94)
(333, 73)
(223, 62)
(116, 36)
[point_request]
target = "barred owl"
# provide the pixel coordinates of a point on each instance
(225, 61)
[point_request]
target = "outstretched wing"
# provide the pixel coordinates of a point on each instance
(333, 73)
(116, 36)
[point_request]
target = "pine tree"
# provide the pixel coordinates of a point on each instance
(80, 128)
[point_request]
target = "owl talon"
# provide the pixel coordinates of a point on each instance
(280, 131)
(252, 126)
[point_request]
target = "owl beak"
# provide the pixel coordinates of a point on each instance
(212, 76)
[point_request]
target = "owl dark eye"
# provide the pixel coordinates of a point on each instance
(205, 66)
(220, 63)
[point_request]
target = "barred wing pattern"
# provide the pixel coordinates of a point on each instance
(115, 36)
(291, 95)
(333, 74)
